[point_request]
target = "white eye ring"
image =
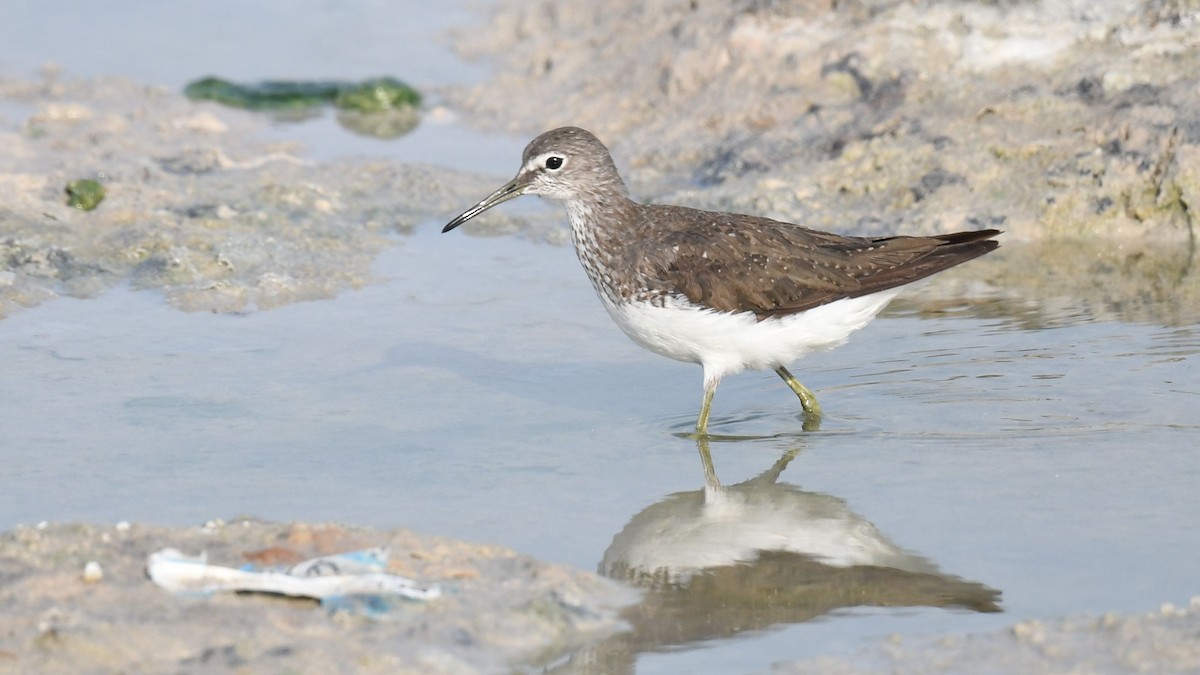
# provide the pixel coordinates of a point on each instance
(554, 162)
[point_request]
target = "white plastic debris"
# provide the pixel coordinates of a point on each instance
(366, 561)
(329, 578)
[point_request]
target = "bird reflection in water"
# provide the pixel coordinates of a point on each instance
(728, 559)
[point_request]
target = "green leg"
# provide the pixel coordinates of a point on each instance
(710, 388)
(808, 400)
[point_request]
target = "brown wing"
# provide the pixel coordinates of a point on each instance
(741, 263)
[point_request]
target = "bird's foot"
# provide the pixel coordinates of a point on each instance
(808, 400)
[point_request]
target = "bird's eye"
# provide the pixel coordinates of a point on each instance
(554, 162)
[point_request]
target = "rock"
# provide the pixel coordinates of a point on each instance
(92, 572)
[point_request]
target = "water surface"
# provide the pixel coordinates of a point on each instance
(480, 391)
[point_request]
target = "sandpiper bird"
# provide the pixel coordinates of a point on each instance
(726, 291)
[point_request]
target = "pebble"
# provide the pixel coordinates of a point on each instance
(92, 572)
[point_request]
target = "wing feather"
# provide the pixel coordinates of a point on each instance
(737, 263)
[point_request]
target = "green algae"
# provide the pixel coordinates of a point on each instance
(370, 96)
(376, 96)
(84, 194)
(270, 95)
(381, 107)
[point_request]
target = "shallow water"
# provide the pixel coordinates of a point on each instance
(480, 391)
(170, 45)
(1040, 448)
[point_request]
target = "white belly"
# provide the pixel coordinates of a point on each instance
(726, 343)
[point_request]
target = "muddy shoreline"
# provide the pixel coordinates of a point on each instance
(497, 607)
(1046, 119)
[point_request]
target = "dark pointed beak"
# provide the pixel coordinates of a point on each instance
(511, 190)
